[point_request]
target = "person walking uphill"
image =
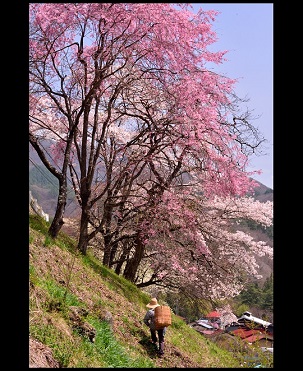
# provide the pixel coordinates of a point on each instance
(149, 321)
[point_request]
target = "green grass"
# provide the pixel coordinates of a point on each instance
(50, 321)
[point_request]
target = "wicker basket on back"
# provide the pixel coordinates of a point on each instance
(162, 316)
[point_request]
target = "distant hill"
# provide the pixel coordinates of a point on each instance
(263, 193)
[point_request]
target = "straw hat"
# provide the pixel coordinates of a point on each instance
(153, 303)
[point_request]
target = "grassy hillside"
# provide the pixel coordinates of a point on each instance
(83, 315)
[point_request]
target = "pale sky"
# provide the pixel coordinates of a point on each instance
(246, 31)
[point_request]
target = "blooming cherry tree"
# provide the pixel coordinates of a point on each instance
(194, 244)
(151, 139)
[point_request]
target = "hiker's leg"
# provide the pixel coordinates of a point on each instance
(153, 336)
(161, 341)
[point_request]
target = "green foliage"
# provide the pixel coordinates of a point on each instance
(108, 351)
(62, 346)
(39, 224)
(238, 310)
(184, 306)
(177, 323)
(48, 241)
(261, 297)
(254, 226)
(60, 298)
(251, 295)
(258, 358)
(267, 293)
(33, 276)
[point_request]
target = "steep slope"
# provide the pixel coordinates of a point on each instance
(62, 281)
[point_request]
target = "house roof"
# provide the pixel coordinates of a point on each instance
(204, 324)
(213, 314)
(251, 335)
(256, 337)
(244, 333)
(247, 316)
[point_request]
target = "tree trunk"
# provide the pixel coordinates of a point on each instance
(132, 265)
(107, 249)
(57, 222)
(83, 238)
(123, 257)
(83, 235)
(113, 252)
